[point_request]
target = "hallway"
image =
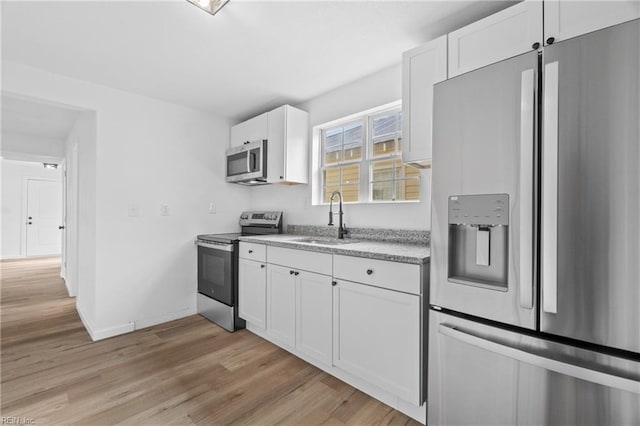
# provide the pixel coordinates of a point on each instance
(187, 371)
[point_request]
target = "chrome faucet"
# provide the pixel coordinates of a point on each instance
(342, 229)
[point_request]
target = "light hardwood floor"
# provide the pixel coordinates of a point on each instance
(187, 371)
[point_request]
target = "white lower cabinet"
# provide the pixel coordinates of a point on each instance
(376, 336)
(252, 292)
(299, 311)
(368, 333)
(281, 304)
(314, 316)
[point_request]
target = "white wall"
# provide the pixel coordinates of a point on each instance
(375, 90)
(31, 148)
(146, 153)
(14, 177)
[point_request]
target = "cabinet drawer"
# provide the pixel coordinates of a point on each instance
(251, 251)
(301, 259)
(380, 273)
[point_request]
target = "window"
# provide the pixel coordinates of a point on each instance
(361, 157)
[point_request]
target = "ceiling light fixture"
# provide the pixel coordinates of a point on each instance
(211, 6)
(50, 165)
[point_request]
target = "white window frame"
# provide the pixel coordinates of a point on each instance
(366, 163)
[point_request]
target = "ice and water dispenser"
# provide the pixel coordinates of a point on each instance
(479, 240)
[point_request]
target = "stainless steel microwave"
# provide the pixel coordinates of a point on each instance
(247, 163)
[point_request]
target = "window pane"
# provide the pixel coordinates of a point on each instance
(385, 129)
(350, 174)
(332, 176)
(353, 137)
(382, 191)
(350, 193)
(408, 189)
(328, 191)
(333, 146)
(386, 124)
(383, 170)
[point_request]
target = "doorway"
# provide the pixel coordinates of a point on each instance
(44, 217)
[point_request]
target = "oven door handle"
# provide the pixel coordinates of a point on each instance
(221, 247)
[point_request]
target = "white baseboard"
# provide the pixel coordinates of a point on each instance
(69, 289)
(148, 322)
(103, 333)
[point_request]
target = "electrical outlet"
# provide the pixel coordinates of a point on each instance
(164, 210)
(212, 207)
(133, 210)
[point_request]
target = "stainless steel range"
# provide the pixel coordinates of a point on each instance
(218, 268)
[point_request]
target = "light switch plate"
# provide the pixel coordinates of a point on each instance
(212, 207)
(164, 210)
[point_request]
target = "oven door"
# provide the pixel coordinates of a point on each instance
(216, 273)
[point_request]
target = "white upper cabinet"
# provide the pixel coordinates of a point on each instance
(286, 130)
(566, 19)
(255, 129)
(422, 67)
(505, 34)
(288, 146)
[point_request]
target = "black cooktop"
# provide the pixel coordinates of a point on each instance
(220, 238)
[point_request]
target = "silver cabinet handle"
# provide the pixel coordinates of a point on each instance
(582, 373)
(527, 135)
(550, 191)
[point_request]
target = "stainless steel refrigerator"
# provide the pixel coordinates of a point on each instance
(535, 267)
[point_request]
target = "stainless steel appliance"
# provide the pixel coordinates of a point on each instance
(535, 283)
(218, 268)
(247, 163)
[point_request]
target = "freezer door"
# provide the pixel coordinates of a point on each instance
(590, 261)
(484, 142)
(483, 375)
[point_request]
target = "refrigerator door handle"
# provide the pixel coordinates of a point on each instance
(578, 372)
(527, 135)
(550, 191)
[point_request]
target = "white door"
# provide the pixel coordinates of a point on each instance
(44, 216)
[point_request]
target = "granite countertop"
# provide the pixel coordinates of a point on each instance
(383, 250)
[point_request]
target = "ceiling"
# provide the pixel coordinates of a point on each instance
(250, 57)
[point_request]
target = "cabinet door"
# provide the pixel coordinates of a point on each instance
(254, 129)
(376, 336)
(502, 35)
(565, 19)
(252, 292)
(314, 316)
(287, 148)
(281, 304)
(422, 67)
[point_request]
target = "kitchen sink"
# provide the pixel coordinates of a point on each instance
(325, 241)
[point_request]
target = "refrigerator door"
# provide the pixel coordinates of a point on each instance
(484, 375)
(590, 260)
(484, 142)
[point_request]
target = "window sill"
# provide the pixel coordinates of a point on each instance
(355, 203)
